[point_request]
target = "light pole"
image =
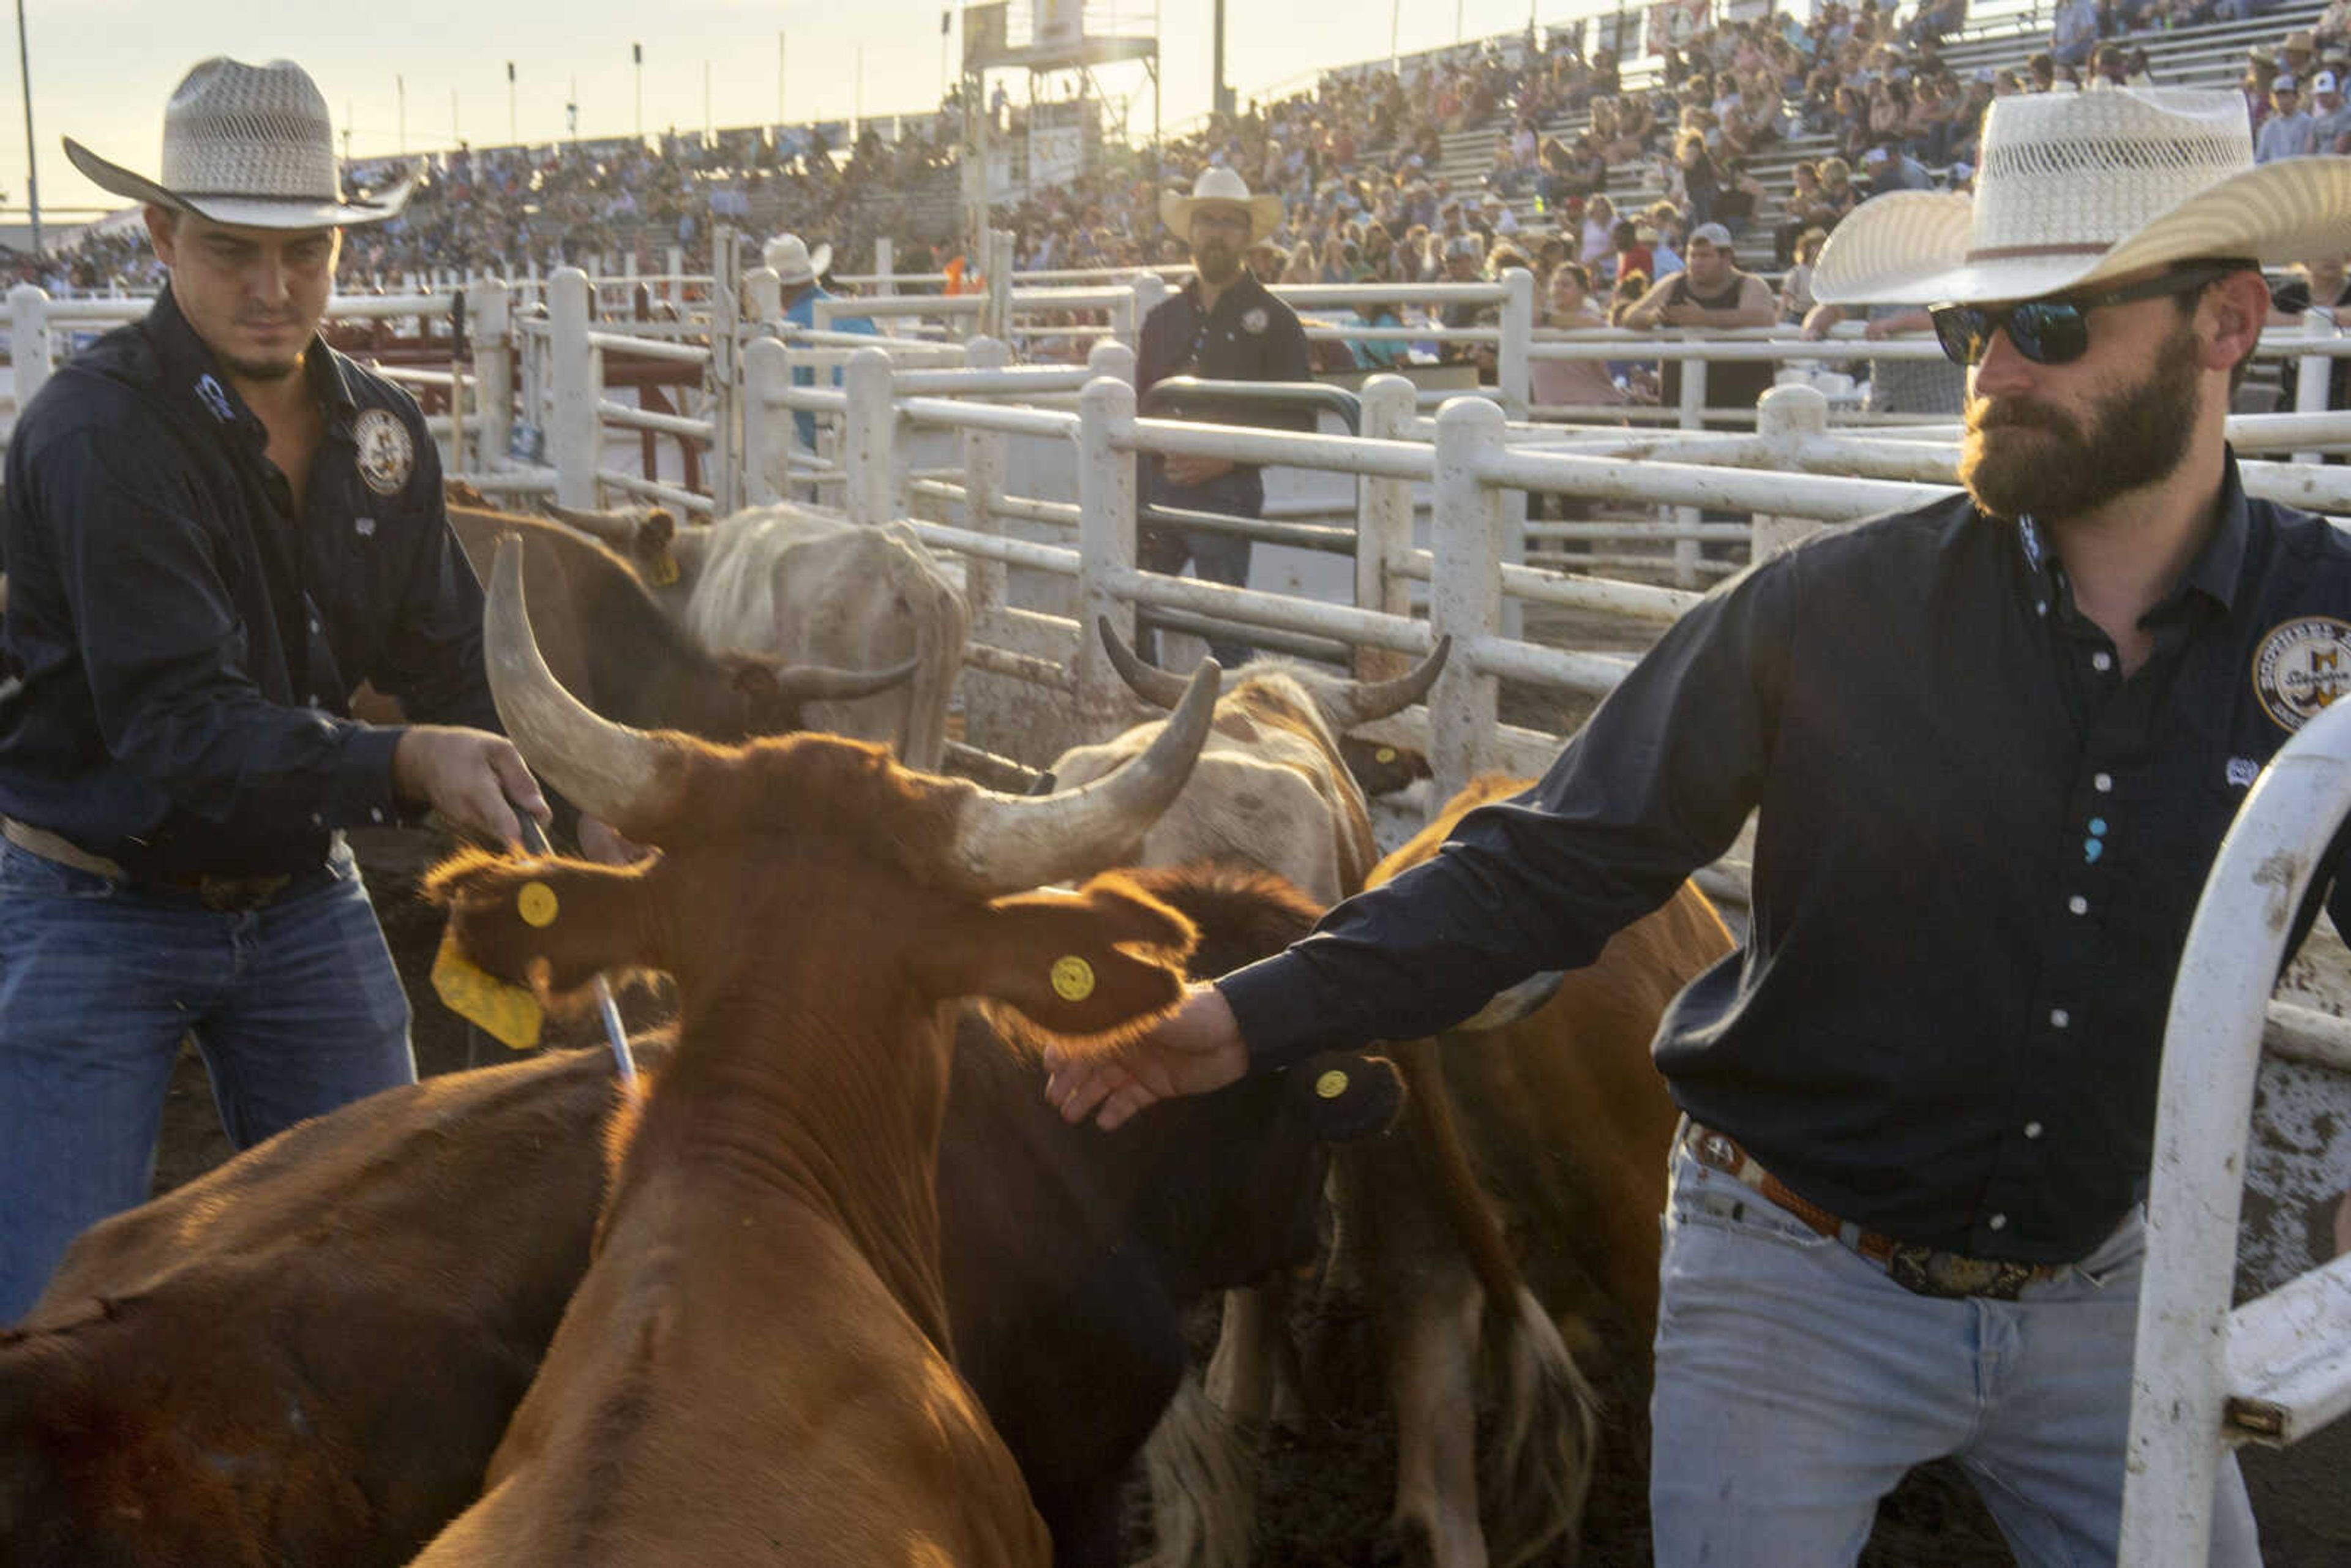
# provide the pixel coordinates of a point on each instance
(637, 52)
(32, 167)
(401, 84)
(514, 135)
(779, 78)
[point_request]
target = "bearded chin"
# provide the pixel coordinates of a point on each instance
(2018, 460)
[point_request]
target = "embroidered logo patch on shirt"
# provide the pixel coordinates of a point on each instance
(2242, 771)
(214, 397)
(1254, 321)
(387, 454)
(2301, 668)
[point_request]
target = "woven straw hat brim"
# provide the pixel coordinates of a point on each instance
(245, 212)
(1910, 247)
(1176, 212)
(819, 261)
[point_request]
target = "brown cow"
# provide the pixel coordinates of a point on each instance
(611, 644)
(756, 1362)
(301, 1356)
(1550, 1097)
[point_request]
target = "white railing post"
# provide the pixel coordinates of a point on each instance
(1693, 417)
(996, 322)
(2315, 374)
(1511, 363)
(724, 474)
(884, 254)
(28, 341)
(573, 431)
(677, 277)
(1149, 290)
(1108, 359)
(763, 295)
(2211, 1057)
(983, 483)
(1105, 542)
(489, 315)
(1465, 591)
(866, 446)
(1124, 320)
(1787, 417)
(766, 429)
(1384, 523)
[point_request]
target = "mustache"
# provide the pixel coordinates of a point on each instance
(2017, 414)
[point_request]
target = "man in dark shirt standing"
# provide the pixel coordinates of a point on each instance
(1993, 745)
(1221, 326)
(216, 526)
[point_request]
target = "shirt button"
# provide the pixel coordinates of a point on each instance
(2078, 905)
(2041, 607)
(375, 813)
(2032, 1129)
(2059, 1017)
(2102, 661)
(1997, 1222)
(314, 626)
(2104, 783)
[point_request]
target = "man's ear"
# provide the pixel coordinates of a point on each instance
(553, 924)
(1088, 967)
(2238, 306)
(162, 232)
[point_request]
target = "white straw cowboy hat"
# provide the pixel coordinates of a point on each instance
(1219, 187)
(249, 145)
(2079, 188)
(789, 257)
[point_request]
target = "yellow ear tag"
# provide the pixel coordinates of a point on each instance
(535, 901)
(509, 1014)
(1385, 754)
(1332, 1084)
(661, 570)
(1073, 978)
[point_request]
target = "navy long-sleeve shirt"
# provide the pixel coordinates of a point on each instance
(186, 642)
(1978, 852)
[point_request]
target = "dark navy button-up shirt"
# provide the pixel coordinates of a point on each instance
(1977, 851)
(1247, 336)
(186, 643)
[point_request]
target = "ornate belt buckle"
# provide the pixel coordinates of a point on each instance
(1925, 1271)
(237, 894)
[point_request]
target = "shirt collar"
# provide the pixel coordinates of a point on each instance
(192, 372)
(2214, 569)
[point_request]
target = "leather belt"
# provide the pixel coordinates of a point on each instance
(227, 895)
(1923, 1271)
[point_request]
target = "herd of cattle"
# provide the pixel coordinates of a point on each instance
(841, 1286)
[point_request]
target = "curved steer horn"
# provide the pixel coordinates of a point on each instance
(1010, 844)
(826, 682)
(607, 769)
(1345, 703)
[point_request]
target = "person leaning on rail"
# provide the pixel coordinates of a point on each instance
(1993, 744)
(216, 527)
(1220, 326)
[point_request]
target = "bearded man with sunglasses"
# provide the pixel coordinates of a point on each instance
(1993, 745)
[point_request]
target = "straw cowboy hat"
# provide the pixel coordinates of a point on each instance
(794, 262)
(249, 145)
(1220, 187)
(2075, 189)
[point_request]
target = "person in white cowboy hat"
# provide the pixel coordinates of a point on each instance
(1221, 326)
(216, 528)
(1992, 744)
(799, 269)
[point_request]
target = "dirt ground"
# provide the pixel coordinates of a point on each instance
(1326, 1481)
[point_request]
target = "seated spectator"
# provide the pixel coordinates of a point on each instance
(2074, 32)
(1887, 169)
(1302, 267)
(1627, 254)
(2134, 69)
(1805, 211)
(1712, 294)
(1625, 293)
(1900, 386)
(1695, 178)
(1377, 355)
(1796, 284)
(1599, 227)
(1741, 199)
(2330, 117)
(2040, 73)
(2288, 133)
(2333, 28)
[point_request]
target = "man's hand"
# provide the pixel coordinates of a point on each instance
(1190, 473)
(1683, 315)
(1196, 1049)
(468, 775)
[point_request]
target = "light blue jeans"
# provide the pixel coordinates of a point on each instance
(296, 1006)
(1797, 1384)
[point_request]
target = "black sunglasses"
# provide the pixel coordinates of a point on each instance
(2055, 332)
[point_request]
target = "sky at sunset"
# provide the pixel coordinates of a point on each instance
(103, 68)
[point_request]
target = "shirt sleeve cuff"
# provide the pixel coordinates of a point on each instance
(359, 792)
(1273, 1003)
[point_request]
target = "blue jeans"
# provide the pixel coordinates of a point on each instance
(296, 1007)
(1797, 1384)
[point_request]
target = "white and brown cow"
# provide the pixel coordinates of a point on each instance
(757, 1366)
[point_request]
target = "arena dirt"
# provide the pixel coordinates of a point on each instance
(1327, 1476)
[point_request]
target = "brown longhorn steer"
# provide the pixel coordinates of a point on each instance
(756, 1365)
(1548, 1101)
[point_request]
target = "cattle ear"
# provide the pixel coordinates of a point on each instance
(1345, 1095)
(553, 924)
(660, 526)
(1081, 969)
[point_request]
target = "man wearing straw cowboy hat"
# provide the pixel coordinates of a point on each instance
(1994, 743)
(797, 270)
(1221, 326)
(216, 527)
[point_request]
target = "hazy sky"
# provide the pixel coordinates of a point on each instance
(103, 68)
